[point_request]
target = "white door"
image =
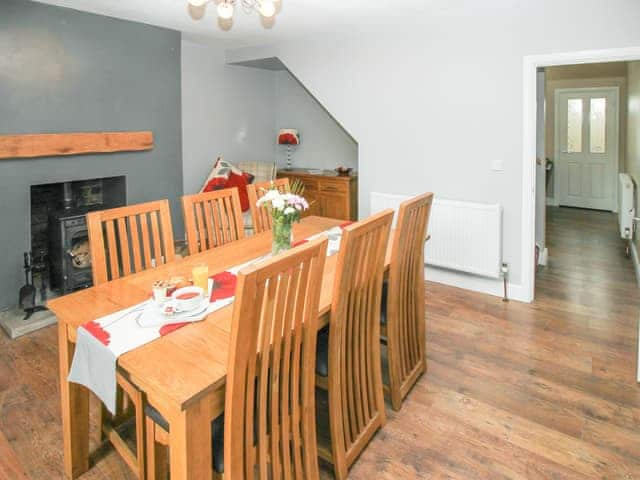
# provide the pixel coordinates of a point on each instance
(587, 147)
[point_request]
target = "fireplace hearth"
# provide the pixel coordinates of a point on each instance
(59, 227)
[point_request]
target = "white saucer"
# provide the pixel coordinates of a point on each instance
(154, 316)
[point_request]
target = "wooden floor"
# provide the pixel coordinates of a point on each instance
(512, 391)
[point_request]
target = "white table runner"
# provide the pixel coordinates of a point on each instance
(100, 342)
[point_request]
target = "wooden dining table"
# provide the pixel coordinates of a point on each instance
(183, 373)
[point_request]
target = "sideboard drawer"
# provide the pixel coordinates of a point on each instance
(309, 184)
(334, 187)
(329, 195)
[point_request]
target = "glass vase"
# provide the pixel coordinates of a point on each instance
(281, 232)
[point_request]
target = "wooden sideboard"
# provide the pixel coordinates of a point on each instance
(329, 194)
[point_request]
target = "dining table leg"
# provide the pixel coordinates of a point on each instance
(190, 442)
(74, 400)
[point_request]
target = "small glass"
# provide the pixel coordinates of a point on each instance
(200, 276)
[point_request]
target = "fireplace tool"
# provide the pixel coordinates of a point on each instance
(27, 294)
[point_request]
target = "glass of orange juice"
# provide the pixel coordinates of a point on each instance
(200, 275)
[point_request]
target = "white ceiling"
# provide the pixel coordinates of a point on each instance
(295, 17)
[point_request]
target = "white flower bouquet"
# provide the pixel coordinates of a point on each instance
(285, 208)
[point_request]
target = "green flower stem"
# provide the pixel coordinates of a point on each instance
(281, 231)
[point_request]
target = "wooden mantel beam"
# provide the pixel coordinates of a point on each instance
(55, 144)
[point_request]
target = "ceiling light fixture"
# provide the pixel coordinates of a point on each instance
(266, 8)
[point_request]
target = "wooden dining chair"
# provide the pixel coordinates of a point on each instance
(261, 216)
(402, 316)
(348, 353)
(268, 425)
(212, 219)
(129, 239)
(124, 241)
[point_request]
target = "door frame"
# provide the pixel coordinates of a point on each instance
(556, 147)
(530, 65)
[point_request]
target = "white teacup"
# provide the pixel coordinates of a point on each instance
(187, 298)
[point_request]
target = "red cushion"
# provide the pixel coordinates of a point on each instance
(216, 183)
(240, 181)
(227, 175)
(234, 180)
(220, 173)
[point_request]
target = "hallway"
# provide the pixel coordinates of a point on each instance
(591, 284)
(587, 262)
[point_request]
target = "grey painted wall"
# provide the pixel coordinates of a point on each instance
(323, 142)
(436, 97)
(62, 71)
(226, 110)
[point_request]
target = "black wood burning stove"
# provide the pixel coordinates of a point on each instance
(67, 240)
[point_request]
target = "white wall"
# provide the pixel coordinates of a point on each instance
(226, 110)
(323, 142)
(434, 97)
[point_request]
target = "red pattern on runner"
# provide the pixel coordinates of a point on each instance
(224, 286)
(95, 329)
(172, 327)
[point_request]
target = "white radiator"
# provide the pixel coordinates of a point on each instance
(626, 208)
(465, 236)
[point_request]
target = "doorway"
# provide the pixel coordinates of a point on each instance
(531, 67)
(587, 147)
(580, 129)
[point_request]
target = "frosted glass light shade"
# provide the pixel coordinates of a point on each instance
(267, 8)
(197, 3)
(225, 10)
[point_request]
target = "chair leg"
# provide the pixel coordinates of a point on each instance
(138, 404)
(396, 399)
(157, 454)
(104, 418)
(340, 469)
(395, 394)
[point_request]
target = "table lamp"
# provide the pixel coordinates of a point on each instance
(288, 137)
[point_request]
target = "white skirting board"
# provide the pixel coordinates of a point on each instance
(474, 283)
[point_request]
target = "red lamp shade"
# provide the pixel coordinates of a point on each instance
(288, 136)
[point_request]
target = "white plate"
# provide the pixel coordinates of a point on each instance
(153, 315)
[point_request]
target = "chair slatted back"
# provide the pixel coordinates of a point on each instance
(270, 403)
(356, 401)
(261, 216)
(212, 219)
(129, 239)
(405, 300)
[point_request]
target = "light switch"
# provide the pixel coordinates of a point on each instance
(497, 166)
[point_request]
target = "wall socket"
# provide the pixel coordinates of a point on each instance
(497, 165)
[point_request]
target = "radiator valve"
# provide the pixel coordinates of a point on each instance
(504, 272)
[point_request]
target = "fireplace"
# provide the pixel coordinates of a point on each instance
(59, 235)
